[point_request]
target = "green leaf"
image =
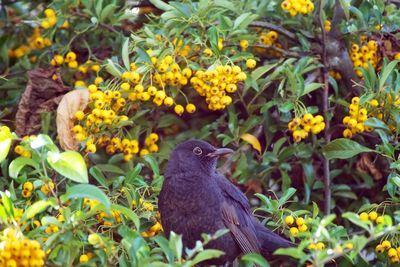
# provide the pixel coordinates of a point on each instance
(153, 164)
(212, 35)
(112, 69)
(5, 144)
(143, 55)
(98, 175)
(125, 54)
(288, 194)
(376, 123)
(88, 191)
(206, 255)
(128, 213)
(7, 204)
(296, 253)
(107, 12)
(17, 164)
(308, 88)
(161, 5)
(37, 207)
(244, 20)
(42, 140)
(175, 243)
(386, 72)
(257, 73)
(345, 6)
(255, 258)
(69, 164)
(343, 149)
(355, 218)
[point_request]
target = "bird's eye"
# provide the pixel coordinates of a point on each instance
(197, 150)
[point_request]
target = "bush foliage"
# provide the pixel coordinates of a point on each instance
(94, 95)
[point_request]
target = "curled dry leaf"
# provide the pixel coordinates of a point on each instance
(365, 164)
(42, 94)
(70, 103)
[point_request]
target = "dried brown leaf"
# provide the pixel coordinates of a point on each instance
(42, 94)
(365, 164)
(69, 105)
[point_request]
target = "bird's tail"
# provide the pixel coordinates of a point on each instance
(269, 240)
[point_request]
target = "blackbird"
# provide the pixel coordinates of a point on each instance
(195, 199)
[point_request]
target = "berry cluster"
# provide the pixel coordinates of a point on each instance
(327, 26)
(301, 127)
(393, 253)
(71, 60)
(355, 121)
(316, 246)
(386, 109)
(372, 216)
(300, 225)
(215, 84)
(295, 7)
(335, 75)
(101, 216)
(27, 189)
(268, 38)
(153, 230)
(16, 250)
(50, 20)
(35, 41)
(364, 55)
(47, 187)
(22, 151)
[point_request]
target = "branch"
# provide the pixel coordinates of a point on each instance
(264, 24)
(325, 107)
(280, 50)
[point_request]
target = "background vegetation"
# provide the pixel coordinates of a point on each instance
(94, 95)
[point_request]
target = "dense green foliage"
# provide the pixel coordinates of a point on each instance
(94, 95)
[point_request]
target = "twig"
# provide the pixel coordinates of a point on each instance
(325, 107)
(268, 25)
(280, 50)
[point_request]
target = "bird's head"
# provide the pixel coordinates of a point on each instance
(195, 155)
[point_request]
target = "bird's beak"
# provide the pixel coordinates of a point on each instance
(220, 152)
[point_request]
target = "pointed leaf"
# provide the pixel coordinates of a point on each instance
(88, 191)
(69, 164)
(252, 140)
(343, 149)
(17, 164)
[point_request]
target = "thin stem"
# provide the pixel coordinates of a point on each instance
(325, 107)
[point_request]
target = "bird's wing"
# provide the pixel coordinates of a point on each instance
(237, 217)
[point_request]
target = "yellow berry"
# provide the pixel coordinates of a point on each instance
(83, 258)
(303, 228)
(364, 216)
(386, 244)
(347, 133)
(380, 220)
(379, 248)
(300, 221)
(19, 150)
(294, 231)
(79, 115)
(179, 109)
(392, 252)
(251, 63)
(289, 220)
(28, 186)
(372, 215)
(190, 108)
(168, 101)
(71, 56)
(320, 246)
